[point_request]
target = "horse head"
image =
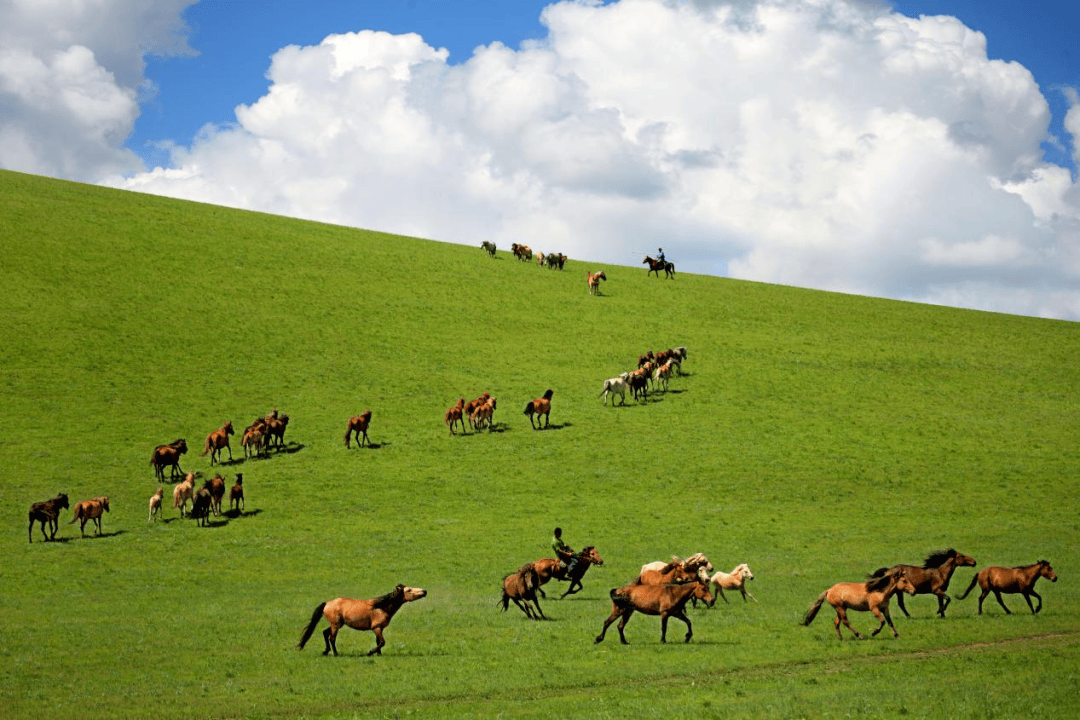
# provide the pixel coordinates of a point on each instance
(903, 584)
(1046, 571)
(411, 593)
(589, 553)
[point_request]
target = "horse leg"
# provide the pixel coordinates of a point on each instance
(900, 602)
(943, 601)
(689, 629)
(1027, 596)
(328, 635)
(997, 594)
(626, 618)
(883, 617)
(615, 612)
(379, 642)
(841, 616)
(538, 610)
(663, 627)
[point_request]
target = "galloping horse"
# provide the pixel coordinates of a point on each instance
(694, 568)
(872, 595)
(540, 406)
(549, 568)
(168, 455)
(454, 415)
(90, 510)
(358, 424)
(374, 615)
(47, 511)
(735, 580)
(1019, 579)
(521, 586)
(932, 577)
(217, 440)
(655, 266)
(594, 281)
(663, 600)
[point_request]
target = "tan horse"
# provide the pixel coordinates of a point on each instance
(168, 456)
(252, 439)
(470, 407)
(521, 587)
(538, 407)
(358, 424)
(374, 614)
(90, 510)
(594, 281)
(454, 415)
(735, 580)
(1019, 579)
(155, 504)
(695, 567)
(872, 595)
(47, 511)
(667, 601)
(217, 440)
(932, 577)
(183, 492)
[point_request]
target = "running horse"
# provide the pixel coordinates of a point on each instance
(667, 601)
(655, 266)
(521, 587)
(374, 615)
(217, 440)
(549, 568)
(47, 511)
(932, 577)
(872, 595)
(1019, 579)
(538, 407)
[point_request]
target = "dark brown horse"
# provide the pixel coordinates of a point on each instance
(358, 424)
(521, 587)
(216, 487)
(454, 415)
(1019, 579)
(872, 595)
(667, 601)
(168, 456)
(201, 506)
(932, 577)
(549, 568)
(655, 266)
(538, 407)
(47, 511)
(236, 494)
(217, 440)
(374, 615)
(90, 510)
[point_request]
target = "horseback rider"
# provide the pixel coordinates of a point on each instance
(566, 555)
(663, 262)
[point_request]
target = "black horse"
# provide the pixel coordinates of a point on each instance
(655, 266)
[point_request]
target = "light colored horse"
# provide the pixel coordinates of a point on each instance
(735, 580)
(374, 615)
(155, 504)
(696, 567)
(614, 386)
(183, 492)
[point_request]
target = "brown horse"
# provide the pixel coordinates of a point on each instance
(538, 407)
(217, 440)
(549, 568)
(47, 511)
(484, 415)
(201, 505)
(594, 281)
(664, 600)
(521, 587)
(932, 577)
(470, 407)
(454, 415)
(872, 595)
(216, 487)
(358, 424)
(374, 614)
(236, 494)
(655, 266)
(1019, 579)
(252, 439)
(275, 431)
(695, 567)
(168, 456)
(90, 510)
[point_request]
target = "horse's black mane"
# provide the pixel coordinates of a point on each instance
(938, 558)
(878, 583)
(389, 598)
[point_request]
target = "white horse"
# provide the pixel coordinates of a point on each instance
(735, 580)
(613, 386)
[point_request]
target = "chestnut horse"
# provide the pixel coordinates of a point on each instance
(217, 440)
(664, 600)
(454, 415)
(47, 511)
(932, 577)
(216, 487)
(358, 424)
(374, 615)
(540, 406)
(521, 586)
(655, 266)
(90, 510)
(872, 595)
(168, 456)
(1019, 579)
(549, 568)
(236, 494)
(594, 281)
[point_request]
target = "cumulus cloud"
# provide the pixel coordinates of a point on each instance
(71, 72)
(831, 144)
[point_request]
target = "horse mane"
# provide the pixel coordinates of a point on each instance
(384, 601)
(876, 584)
(938, 558)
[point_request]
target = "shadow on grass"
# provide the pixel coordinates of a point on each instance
(554, 426)
(235, 513)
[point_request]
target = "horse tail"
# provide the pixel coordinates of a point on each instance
(530, 408)
(207, 448)
(78, 513)
(812, 612)
(315, 617)
(974, 579)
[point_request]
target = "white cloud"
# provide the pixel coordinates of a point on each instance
(70, 76)
(821, 143)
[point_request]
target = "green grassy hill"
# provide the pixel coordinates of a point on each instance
(815, 436)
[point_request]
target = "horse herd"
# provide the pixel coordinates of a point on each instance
(651, 368)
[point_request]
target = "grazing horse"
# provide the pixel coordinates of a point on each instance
(168, 456)
(216, 487)
(540, 406)
(454, 415)
(184, 492)
(594, 281)
(932, 577)
(201, 505)
(1019, 579)
(549, 568)
(667, 601)
(488, 247)
(374, 614)
(735, 580)
(47, 511)
(613, 386)
(655, 266)
(217, 440)
(521, 587)
(90, 510)
(236, 494)
(358, 424)
(872, 595)
(155, 504)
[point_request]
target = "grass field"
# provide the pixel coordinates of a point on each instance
(815, 436)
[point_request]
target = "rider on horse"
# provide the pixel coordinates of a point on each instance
(663, 262)
(567, 558)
